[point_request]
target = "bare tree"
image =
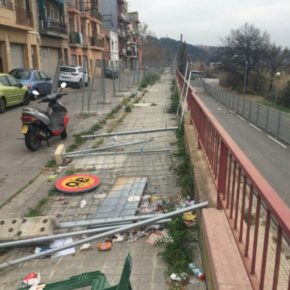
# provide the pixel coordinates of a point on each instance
(244, 54)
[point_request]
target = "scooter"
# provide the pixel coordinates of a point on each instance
(38, 125)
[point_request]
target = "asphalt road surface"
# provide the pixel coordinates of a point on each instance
(271, 158)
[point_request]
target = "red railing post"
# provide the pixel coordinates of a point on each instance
(222, 173)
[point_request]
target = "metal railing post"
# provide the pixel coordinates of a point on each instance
(222, 173)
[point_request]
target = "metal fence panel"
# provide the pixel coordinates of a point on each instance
(284, 132)
(253, 112)
(273, 121)
(262, 118)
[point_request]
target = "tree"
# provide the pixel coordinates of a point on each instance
(182, 58)
(244, 55)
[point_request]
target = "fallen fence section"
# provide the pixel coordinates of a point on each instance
(130, 132)
(108, 233)
(88, 151)
(141, 151)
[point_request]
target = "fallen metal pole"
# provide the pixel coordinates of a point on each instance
(153, 151)
(39, 240)
(108, 147)
(130, 132)
(102, 235)
(104, 221)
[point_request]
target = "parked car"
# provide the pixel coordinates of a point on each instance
(73, 76)
(34, 80)
(12, 92)
(111, 73)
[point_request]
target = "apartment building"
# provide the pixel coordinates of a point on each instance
(53, 33)
(19, 39)
(134, 42)
(86, 40)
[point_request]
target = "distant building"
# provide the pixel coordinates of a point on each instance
(114, 50)
(135, 41)
(115, 18)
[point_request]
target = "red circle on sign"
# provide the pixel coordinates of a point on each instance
(77, 183)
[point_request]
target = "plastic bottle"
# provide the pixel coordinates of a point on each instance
(196, 271)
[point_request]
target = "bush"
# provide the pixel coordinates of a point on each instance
(174, 98)
(149, 80)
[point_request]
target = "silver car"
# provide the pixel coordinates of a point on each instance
(73, 76)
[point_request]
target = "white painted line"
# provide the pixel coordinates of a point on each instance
(241, 118)
(257, 128)
(275, 140)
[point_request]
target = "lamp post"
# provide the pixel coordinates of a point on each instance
(245, 77)
(277, 75)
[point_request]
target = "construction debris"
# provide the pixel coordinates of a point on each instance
(25, 228)
(121, 229)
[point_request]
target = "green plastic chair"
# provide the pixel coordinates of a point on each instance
(96, 279)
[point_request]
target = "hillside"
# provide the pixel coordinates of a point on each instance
(163, 51)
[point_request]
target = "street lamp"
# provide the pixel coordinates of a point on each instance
(277, 75)
(245, 77)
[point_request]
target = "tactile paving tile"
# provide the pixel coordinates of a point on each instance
(124, 198)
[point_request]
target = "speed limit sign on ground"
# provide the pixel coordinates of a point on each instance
(77, 183)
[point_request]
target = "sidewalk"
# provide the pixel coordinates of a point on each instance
(148, 268)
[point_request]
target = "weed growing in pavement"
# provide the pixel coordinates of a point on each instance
(128, 108)
(182, 166)
(53, 192)
(179, 249)
(50, 163)
(33, 212)
(174, 98)
(149, 80)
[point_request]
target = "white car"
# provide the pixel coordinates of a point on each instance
(73, 76)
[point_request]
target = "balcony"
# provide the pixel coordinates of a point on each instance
(75, 38)
(121, 33)
(53, 27)
(23, 17)
(96, 41)
(8, 4)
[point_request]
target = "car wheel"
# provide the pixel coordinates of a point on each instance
(26, 99)
(80, 84)
(2, 105)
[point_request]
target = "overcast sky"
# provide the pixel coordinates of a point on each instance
(207, 21)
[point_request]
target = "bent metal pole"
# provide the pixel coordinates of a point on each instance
(102, 235)
(46, 239)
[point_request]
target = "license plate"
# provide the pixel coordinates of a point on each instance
(24, 129)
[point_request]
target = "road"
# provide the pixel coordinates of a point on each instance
(18, 166)
(270, 157)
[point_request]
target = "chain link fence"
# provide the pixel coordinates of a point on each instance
(273, 121)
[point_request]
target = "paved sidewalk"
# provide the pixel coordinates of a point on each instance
(148, 268)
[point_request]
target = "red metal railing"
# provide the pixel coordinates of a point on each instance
(259, 219)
